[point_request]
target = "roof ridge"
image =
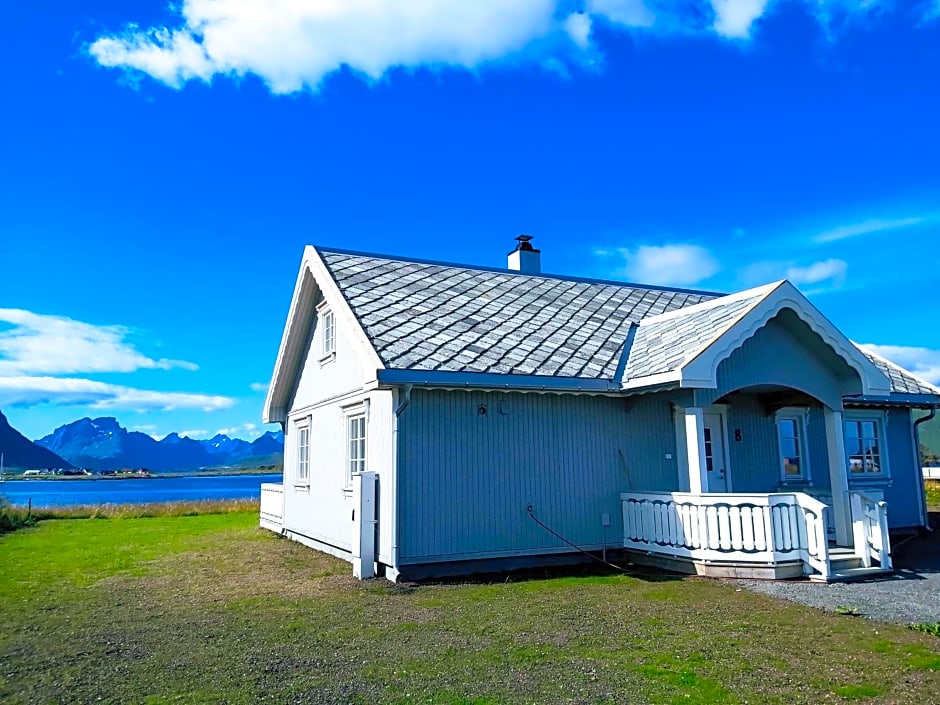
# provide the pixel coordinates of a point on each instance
(500, 270)
(761, 292)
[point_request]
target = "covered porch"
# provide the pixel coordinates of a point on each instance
(775, 535)
(766, 487)
(764, 492)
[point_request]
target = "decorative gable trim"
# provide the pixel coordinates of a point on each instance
(314, 284)
(700, 368)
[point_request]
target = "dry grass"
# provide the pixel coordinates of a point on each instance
(16, 517)
(212, 609)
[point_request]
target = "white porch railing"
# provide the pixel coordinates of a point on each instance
(272, 506)
(763, 529)
(870, 529)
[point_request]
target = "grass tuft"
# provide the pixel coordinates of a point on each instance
(926, 628)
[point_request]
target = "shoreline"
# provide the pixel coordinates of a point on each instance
(214, 472)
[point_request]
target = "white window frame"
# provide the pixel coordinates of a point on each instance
(799, 416)
(879, 419)
(328, 334)
(356, 456)
(302, 468)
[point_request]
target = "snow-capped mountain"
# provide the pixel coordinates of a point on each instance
(103, 444)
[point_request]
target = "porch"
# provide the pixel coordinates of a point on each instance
(775, 535)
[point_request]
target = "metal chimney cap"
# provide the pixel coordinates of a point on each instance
(525, 243)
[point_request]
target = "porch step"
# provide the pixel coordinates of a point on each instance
(844, 575)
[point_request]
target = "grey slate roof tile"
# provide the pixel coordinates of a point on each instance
(663, 346)
(901, 381)
(462, 319)
(425, 316)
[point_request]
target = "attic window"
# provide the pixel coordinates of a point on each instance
(329, 333)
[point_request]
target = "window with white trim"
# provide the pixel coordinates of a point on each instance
(863, 446)
(303, 454)
(355, 445)
(329, 333)
(791, 440)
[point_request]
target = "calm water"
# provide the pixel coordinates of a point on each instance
(59, 493)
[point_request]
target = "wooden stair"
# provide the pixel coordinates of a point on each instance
(845, 567)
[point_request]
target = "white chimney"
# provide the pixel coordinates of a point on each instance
(525, 258)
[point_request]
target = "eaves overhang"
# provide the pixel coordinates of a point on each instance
(494, 381)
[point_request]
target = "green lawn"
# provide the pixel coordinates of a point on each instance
(211, 609)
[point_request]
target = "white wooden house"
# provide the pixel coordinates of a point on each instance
(432, 412)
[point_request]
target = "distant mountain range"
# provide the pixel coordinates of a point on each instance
(19, 452)
(103, 444)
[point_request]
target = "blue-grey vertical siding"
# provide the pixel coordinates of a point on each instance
(755, 458)
(782, 354)
(902, 487)
(466, 478)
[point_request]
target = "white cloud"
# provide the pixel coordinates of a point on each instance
(923, 362)
(72, 391)
(733, 18)
(195, 433)
(248, 431)
(666, 265)
(578, 27)
(866, 228)
(830, 271)
(48, 345)
(630, 13)
(258, 386)
(292, 44)
(728, 19)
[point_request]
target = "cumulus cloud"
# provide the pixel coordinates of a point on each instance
(40, 344)
(258, 386)
(73, 391)
(666, 265)
(578, 27)
(293, 44)
(923, 362)
(41, 354)
(830, 271)
(733, 18)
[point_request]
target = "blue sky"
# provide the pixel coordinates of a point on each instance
(163, 166)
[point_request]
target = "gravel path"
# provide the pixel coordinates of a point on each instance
(912, 594)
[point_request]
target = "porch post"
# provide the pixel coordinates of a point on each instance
(838, 477)
(695, 449)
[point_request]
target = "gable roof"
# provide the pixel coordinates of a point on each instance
(437, 317)
(663, 343)
(686, 346)
(455, 325)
